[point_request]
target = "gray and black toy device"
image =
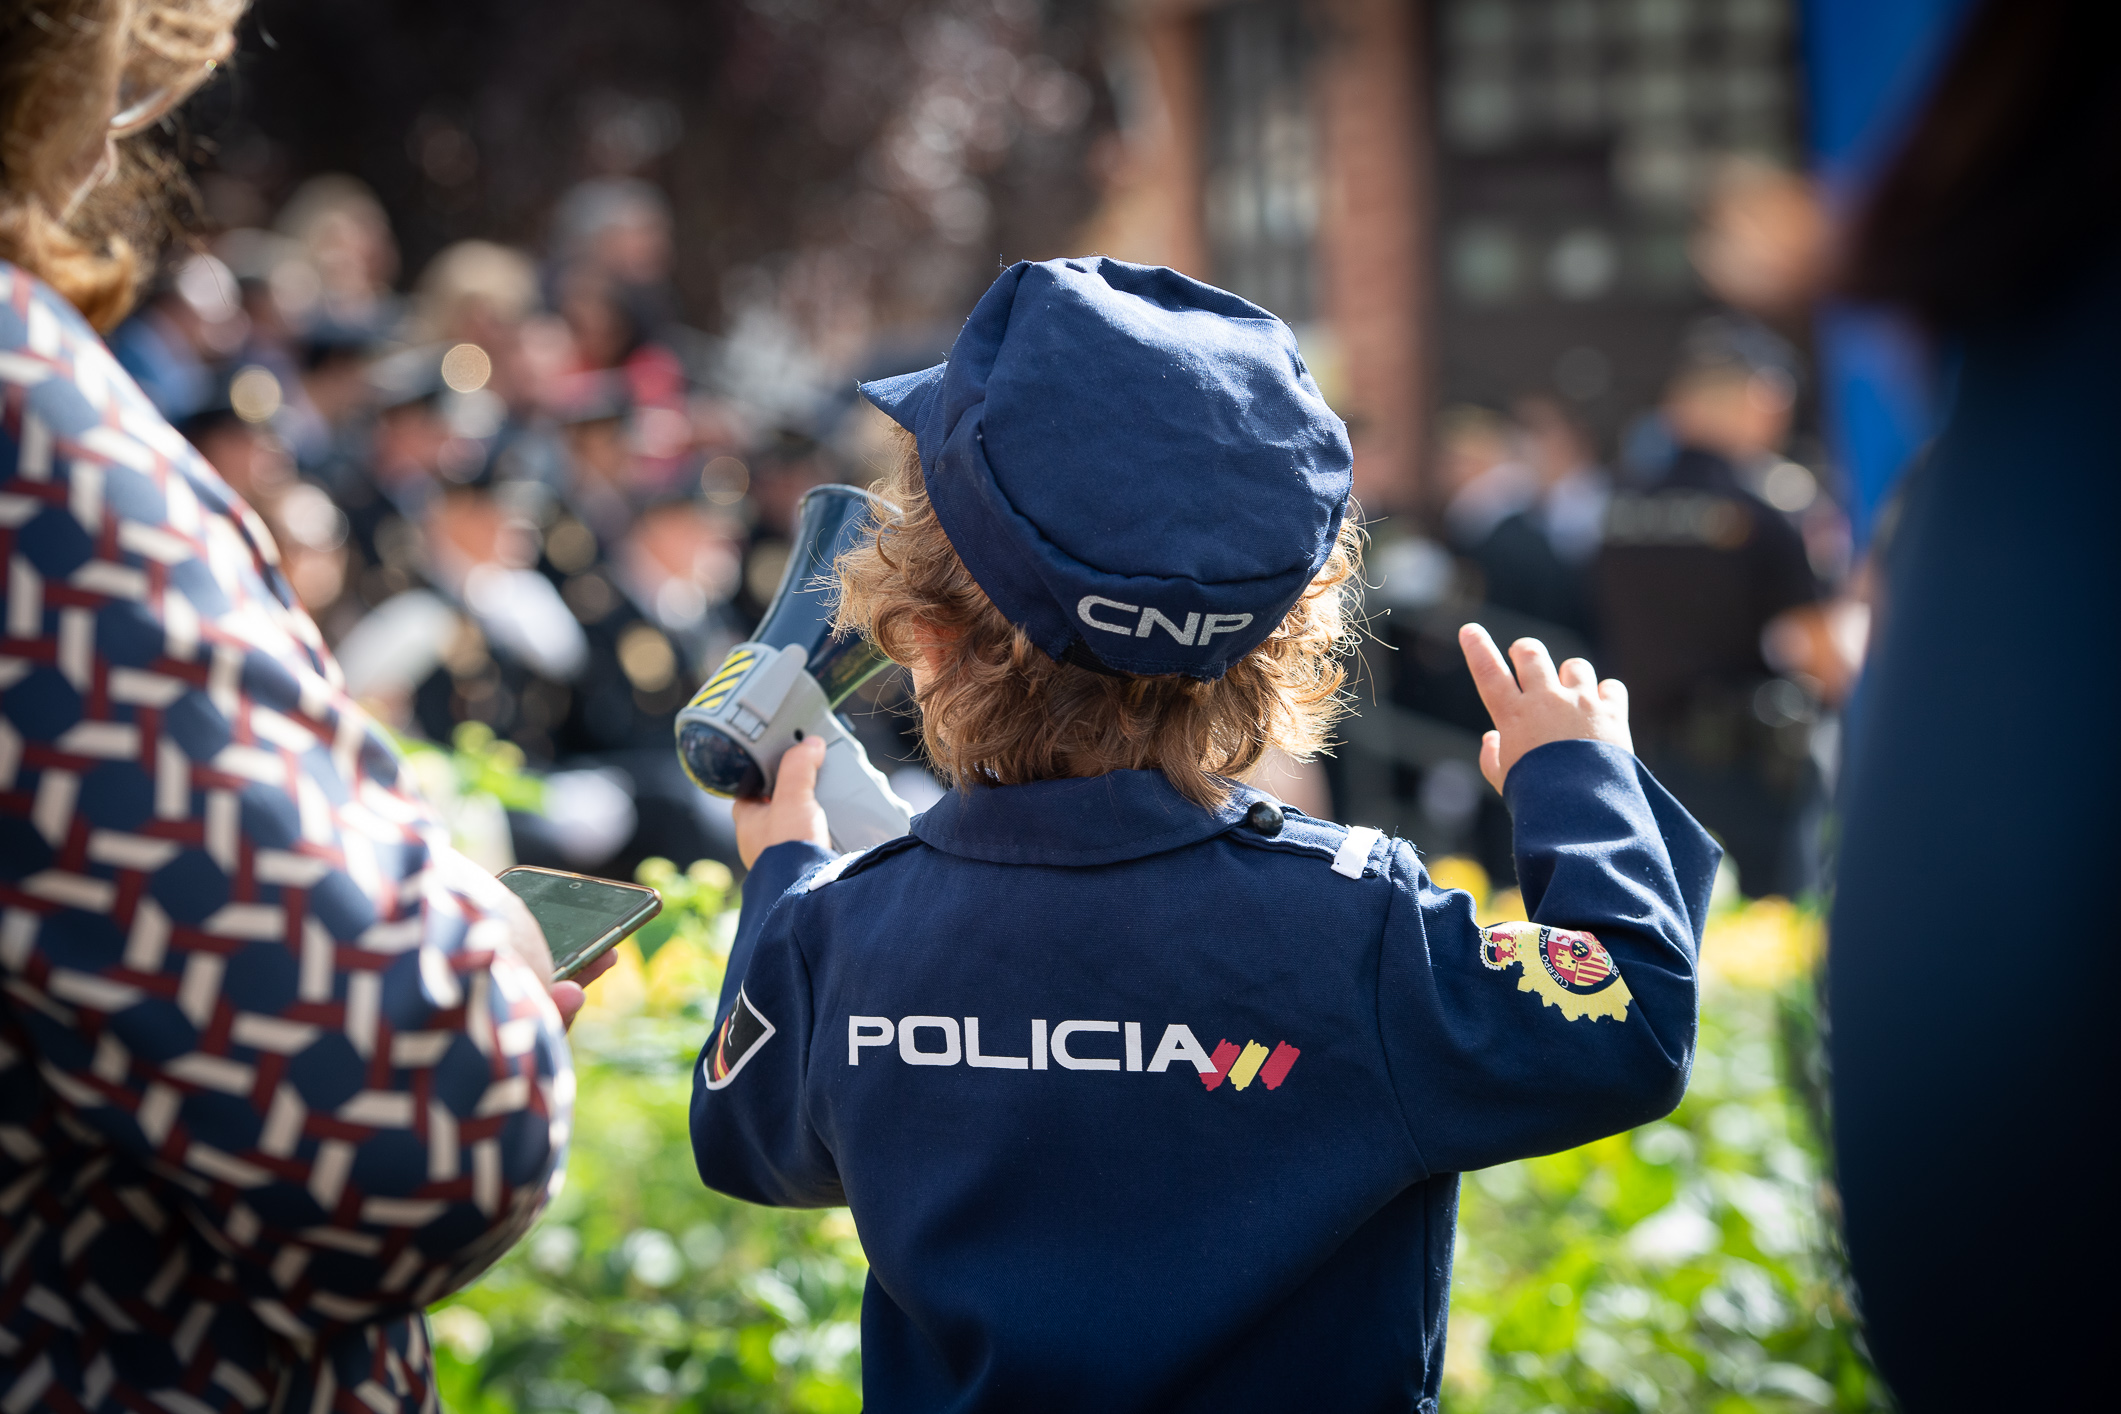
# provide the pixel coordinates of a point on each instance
(785, 684)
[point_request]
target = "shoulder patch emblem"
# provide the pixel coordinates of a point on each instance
(1572, 971)
(742, 1032)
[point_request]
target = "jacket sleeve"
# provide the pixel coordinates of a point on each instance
(1529, 1037)
(233, 942)
(751, 1136)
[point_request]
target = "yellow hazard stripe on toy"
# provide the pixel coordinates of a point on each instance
(715, 691)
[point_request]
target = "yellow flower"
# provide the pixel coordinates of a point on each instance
(1766, 943)
(622, 991)
(1455, 871)
(681, 971)
(1507, 906)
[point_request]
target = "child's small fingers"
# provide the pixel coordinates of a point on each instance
(1578, 675)
(1491, 675)
(800, 764)
(1535, 669)
(1614, 692)
(1491, 759)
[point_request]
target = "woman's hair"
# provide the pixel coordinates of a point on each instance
(2009, 183)
(60, 63)
(999, 710)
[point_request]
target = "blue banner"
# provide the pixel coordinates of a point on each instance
(1867, 65)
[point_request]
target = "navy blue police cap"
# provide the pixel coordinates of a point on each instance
(1132, 464)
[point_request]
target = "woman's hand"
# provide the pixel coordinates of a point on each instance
(522, 935)
(791, 812)
(1539, 705)
(569, 996)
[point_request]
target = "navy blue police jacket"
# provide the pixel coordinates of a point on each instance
(1139, 1106)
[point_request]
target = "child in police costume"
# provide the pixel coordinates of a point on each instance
(1146, 1091)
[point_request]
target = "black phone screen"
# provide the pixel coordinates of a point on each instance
(582, 917)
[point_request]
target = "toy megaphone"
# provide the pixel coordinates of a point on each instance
(783, 686)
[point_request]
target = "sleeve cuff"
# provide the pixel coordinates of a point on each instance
(1566, 764)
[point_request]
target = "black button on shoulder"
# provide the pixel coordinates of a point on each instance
(1265, 817)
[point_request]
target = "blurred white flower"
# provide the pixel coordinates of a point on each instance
(652, 1257)
(554, 1248)
(1675, 1235)
(462, 1331)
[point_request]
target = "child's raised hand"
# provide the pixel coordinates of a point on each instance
(1539, 705)
(791, 812)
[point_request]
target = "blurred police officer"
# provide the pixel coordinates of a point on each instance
(1693, 571)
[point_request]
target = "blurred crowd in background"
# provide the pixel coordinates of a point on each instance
(517, 489)
(1696, 561)
(520, 492)
(530, 417)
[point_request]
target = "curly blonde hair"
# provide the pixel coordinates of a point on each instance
(61, 63)
(999, 710)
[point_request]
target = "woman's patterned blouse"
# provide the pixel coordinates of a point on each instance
(270, 1082)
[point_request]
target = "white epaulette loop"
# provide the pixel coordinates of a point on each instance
(832, 870)
(1354, 851)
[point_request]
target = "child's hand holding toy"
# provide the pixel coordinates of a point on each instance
(791, 812)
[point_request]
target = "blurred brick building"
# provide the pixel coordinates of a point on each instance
(1279, 148)
(1451, 200)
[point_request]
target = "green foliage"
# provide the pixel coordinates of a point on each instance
(695, 904)
(1690, 1265)
(476, 762)
(1684, 1267)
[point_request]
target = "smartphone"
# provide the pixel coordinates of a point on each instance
(583, 918)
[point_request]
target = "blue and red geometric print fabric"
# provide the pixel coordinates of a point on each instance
(270, 1080)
